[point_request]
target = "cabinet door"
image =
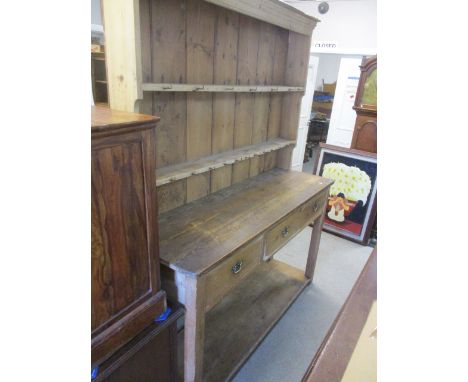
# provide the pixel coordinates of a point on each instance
(125, 274)
(365, 134)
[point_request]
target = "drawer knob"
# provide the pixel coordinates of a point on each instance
(285, 232)
(315, 207)
(237, 267)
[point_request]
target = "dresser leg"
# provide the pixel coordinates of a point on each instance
(314, 245)
(194, 332)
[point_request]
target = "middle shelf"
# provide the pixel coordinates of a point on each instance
(168, 174)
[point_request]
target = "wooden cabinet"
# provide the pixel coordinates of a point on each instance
(125, 279)
(217, 253)
(150, 357)
(365, 129)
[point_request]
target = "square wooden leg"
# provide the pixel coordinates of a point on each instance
(314, 245)
(194, 335)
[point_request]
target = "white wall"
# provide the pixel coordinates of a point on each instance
(306, 105)
(346, 32)
(350, 24)
(329, 66)
(97, 30)
(96, 18)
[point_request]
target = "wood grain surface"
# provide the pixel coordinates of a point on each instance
(273, 12)
(225, 72)
(196, 236)
(222, 278)
(105, 121)
(220, 78)
(201, 18)
(222, 161)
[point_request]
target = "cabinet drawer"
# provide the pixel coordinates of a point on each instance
(230, 272)
(150, 357)
(287, 228)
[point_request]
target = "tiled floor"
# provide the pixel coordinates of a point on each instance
(286, 352)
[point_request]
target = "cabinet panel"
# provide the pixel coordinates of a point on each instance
(119, 262)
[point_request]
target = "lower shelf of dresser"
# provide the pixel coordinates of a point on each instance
(237, 325)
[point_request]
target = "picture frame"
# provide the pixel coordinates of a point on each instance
(352, 203)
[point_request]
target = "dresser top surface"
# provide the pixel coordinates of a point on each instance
(198, 235)
(105, 119)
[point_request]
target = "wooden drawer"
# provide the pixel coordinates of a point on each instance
(292, 224)
(227, 275)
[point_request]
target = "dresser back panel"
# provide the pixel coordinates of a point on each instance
(195, 42)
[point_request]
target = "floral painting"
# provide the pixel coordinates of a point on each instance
(351, 202)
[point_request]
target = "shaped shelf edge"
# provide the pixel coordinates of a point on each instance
(153, 87)
(168, 174)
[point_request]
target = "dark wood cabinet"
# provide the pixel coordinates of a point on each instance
(149, 357)
(125, 279)
(365, 129)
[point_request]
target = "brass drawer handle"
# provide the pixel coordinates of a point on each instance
(285, 232)
(237, 267)
(315, 206)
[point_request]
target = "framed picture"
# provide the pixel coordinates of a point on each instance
(351, 205)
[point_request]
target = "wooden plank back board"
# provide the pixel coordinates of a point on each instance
(224, 72)
(296, 73)
(201, 18)
(249, 36)
(168, 58)
(279, 73)
(199, 42)
(264, 76)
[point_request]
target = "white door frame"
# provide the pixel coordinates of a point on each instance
(343, 116)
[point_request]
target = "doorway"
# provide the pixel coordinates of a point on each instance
(327, 99)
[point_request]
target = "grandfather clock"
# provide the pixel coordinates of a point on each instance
(365, 129)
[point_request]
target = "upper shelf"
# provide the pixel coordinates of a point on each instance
(168, 174)
(153, 87)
